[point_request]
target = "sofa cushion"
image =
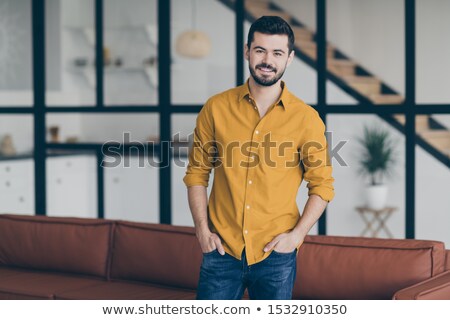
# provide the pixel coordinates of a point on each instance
(168, 255)
(332, 267)
(55, 244)
(128, 291)
(27, 284)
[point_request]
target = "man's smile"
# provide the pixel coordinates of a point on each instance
(266, 70)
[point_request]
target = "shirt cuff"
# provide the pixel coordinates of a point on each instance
(195, 180)
(325, 193)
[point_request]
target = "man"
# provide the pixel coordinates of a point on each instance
(261, 141)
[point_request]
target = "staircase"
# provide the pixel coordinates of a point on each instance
(353, 79)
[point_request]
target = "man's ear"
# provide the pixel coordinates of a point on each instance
(291, 57)
(246, 52)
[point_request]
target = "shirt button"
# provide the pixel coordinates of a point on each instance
(250, 182)
(248, 207)
(256, 108)
(257, 132)
(245, 231)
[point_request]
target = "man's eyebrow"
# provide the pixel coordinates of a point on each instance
(259, 47)
(276, 50)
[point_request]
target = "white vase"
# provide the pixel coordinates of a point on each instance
(376, 196)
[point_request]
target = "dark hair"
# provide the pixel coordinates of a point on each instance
(271, 25)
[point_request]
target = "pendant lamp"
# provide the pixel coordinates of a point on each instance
(193, 43)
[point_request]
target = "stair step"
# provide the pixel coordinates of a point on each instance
(310, 49)
(364, 84)
(386, 98)
(310, 44)
(441, 133)
(342, 63)
(341, 67)
(256, 5)
(258, 12)
(440, 143)
(361, 79)
(421, 122)
(302, 33)
(400, 118)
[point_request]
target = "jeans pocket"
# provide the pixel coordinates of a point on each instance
(209, 253)
(284, 253)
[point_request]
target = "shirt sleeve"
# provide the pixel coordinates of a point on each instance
(201, 154)
(315, 159)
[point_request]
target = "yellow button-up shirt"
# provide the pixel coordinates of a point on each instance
(259, 164)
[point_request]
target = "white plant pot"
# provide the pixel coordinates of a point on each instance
(376, 196)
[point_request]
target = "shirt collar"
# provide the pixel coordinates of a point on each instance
(244, 92)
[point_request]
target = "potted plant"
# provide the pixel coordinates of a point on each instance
(376, 161)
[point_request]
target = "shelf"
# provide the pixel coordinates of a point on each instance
(89, 73)
(19, 156)
(151, 31)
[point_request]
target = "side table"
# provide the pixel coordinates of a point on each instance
(375, 220)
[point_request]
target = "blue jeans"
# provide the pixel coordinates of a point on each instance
(225, 277)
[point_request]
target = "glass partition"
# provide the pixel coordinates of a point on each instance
(366, 57)
(70, 53)
(130, 52)
(203, 50)
(16, 84)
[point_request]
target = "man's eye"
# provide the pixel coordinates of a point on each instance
(278, 54)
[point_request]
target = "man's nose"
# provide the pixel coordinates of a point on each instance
(266, 59)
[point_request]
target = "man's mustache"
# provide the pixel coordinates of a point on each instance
(266, 66)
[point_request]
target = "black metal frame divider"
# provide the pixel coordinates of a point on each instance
(165, 108)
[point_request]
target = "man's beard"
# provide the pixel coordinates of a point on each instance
(265, 81)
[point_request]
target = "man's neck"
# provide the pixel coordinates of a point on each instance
(265, 96)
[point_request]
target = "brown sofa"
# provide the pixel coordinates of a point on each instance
(73, 258)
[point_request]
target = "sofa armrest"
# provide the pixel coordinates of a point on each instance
(436, 288)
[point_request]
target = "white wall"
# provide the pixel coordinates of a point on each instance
(303, 10)
(432, 200)
(100, 127)
(433, 51)
(105, 127)
(69, 125)
(443, 119)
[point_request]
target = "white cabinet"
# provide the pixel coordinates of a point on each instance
(132, 191)
(17, 186)
(72, 186)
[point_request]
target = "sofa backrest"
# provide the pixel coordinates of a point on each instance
(447, 260)
(333, 267)
(55, 244)
(164, 254)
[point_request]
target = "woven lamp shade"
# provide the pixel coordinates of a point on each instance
(193, 44)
